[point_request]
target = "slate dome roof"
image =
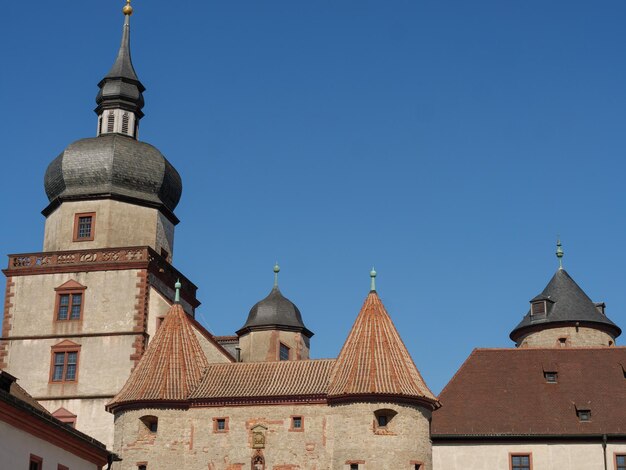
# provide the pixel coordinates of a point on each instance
(275, 311)
(113, 165)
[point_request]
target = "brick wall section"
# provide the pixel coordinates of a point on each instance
(6, 323)
(141, 316)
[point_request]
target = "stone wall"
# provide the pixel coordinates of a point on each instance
(573, 337)
(262, 346)
(117, 224)
(331, 437)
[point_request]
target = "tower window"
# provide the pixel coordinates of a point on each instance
(64, 362)
(65, 366)
(69, 301)
(111, 122)
(283, 352)
(70, 306)
(382, 419)
(125, 123)
(84, 226)
(100, 125)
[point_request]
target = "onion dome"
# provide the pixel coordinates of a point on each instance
(275, 312)
(114, 166)
(563, 303)
(374, 362)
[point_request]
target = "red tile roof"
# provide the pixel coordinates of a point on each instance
(171, 367)
(503, 392)
(245, 380)
(375, 361)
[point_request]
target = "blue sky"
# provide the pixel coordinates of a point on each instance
(446, 143)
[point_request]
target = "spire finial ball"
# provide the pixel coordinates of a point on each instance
(276, 268)
(127, 10)
(372, 273)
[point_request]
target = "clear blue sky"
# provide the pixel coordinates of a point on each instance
(446, 143)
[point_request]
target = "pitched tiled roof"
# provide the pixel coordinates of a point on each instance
(171, 367)
(264, 379)
(503, 392)
(375, 361)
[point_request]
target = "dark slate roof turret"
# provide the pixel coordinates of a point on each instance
(275, 312)
(121, 88)
(567, 304)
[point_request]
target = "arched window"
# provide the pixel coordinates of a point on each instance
(383, 417)
(150, 423)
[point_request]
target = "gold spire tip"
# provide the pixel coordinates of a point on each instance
(127, 10)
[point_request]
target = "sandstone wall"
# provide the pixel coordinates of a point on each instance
(574, 337)
(332, 437)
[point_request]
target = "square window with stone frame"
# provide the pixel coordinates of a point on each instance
(521, 462)
(84, 226)
(620, 461)
(220, 425)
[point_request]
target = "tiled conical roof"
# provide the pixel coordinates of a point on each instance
(374, 362)
(171, 367)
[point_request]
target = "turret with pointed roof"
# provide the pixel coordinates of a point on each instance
(171, 367)
(563, 315)
(375, 364)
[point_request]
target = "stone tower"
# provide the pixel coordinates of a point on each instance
(78, 315)
(274, 330)
(564, 316)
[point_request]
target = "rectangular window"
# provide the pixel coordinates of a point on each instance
(62, 467)
(284, 352)
(220, 424)
(382, 421)
(297, 423)
(84, 226)
(520, 462)
(36, 462)
(620, 461)
(65, 366)
(354, 466)
(69, 306)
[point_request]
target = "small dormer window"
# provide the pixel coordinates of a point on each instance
(584, 415)
(538, 308)
(551, 377)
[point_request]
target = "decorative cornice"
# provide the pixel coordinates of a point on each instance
(385, 398)
(101, 259)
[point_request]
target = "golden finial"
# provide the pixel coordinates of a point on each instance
(127, 10)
